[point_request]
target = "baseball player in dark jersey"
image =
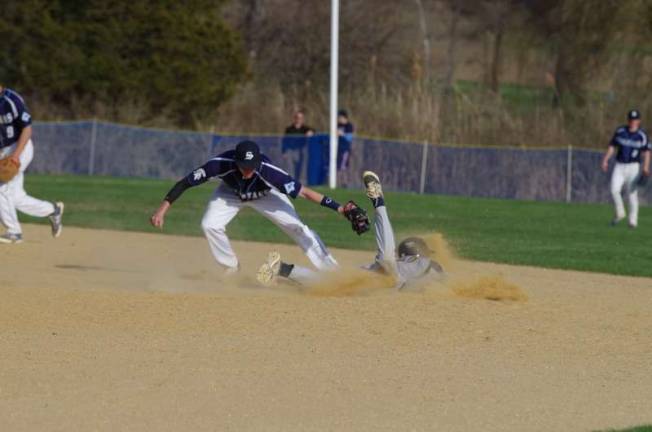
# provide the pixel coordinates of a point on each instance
(410, 262)
(249, 179)
(16, 145)
(632, 149)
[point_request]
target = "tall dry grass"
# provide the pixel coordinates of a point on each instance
(410, 113)
(415, 113)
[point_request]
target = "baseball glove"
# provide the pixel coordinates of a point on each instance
(643, 180)
(357, 216)
(8, 170)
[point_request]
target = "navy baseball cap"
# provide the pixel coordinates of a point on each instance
(634, 115)
(247, 155)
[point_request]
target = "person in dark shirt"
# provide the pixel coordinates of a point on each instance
(249, 179)
(295, 142)
(345, 130)
(299, 126)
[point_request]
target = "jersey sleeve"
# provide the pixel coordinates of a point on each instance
(211, 169)
(646, 142)
(280, 180)
(21, 113)
(614, 140)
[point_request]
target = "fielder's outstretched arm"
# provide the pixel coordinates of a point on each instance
(201, 175)
(354, 214)
(321, 199)
(647, 157)
(158, 218)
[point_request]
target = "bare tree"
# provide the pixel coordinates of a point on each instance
(580, 33)
(425, 35)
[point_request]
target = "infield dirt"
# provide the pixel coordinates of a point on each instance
(111, 331)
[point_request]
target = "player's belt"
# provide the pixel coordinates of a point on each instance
(251, 196)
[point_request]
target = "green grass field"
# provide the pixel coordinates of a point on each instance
(553, 235)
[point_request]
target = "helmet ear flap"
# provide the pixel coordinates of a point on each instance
(413, 246)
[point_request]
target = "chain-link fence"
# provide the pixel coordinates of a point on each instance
(99, 148)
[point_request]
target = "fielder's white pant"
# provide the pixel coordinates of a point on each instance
(274, 206)
(13, 196)
(625, 175)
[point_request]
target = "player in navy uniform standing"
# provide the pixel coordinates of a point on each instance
(632, 149)
(249, 179)
(16, 145)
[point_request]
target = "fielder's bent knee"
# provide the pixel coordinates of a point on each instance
(210, 225)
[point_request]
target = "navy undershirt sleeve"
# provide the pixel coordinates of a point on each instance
(177, 190)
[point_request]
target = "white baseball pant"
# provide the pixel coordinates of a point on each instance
(625, 175)
(13, 196)
(274, 206)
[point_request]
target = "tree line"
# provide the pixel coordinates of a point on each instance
(170, 59)
(462, 71)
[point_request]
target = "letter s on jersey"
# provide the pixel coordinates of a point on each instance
(199, 174)
(289, 187)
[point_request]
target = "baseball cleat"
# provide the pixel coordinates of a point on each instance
(8, 238)
(230, 271)
(615, 221)
(56, 219)
(268, 272)
(372, 184)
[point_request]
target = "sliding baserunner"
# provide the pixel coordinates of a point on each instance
(409, 263)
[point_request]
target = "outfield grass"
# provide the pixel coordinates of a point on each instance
(544, 234)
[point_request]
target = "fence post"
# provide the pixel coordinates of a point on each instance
(424, 163)
(569, 174)
(91, 156)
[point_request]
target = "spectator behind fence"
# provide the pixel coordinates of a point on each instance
(345, 131)
(295, 141)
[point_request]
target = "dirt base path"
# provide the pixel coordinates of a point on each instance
(113, 331)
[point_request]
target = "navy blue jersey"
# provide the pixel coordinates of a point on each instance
(14, 117)
(265, 178)
(630, 145)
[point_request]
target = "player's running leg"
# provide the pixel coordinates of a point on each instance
(279, 209)
(13, 198)
(616, 187)
(631, 189)
(220, 211)
(385, 241)
(9, 217)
